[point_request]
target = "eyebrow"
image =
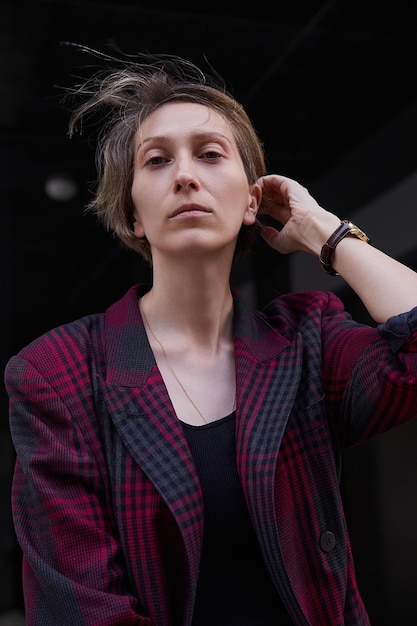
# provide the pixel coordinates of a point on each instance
(204, 134)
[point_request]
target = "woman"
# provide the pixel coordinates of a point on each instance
(178, 455)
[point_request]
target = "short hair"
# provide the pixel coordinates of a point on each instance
(122, 95)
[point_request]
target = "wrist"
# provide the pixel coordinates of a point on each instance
(316, 229)
(345, 229)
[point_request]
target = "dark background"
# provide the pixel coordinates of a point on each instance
(331, 88)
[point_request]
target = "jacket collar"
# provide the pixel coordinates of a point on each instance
(130, 358)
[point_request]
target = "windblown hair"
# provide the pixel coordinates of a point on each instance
(122, 96)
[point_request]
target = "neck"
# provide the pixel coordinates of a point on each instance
(191, 335)
(196, 303)
(201, 322)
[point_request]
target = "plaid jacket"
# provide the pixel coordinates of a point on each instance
(106, 501)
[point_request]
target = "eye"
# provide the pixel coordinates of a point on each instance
(155, 161)
(211, 155)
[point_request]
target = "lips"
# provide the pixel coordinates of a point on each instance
(189, 208)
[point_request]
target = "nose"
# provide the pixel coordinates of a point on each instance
(186, 178)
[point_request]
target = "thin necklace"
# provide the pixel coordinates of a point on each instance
(168, 362)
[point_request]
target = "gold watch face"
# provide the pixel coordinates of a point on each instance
(356, 231)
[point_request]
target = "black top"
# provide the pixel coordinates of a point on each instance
(234, 587)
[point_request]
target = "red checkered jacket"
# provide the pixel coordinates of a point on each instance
(106, 501)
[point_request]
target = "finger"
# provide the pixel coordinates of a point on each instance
(270, 235)
(271, 203)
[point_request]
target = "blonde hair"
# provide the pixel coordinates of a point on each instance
(124, 94)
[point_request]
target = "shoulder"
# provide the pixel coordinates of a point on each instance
(69, 347)
(305, 302)
(58, 351)
(293, 311)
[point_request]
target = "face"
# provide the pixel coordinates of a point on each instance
(190, 190)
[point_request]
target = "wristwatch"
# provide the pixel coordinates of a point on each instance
(346, 228)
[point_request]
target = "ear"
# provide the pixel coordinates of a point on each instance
(255, 197)
(137, 226)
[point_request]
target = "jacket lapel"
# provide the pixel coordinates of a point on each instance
(142, 413)
(268, 369)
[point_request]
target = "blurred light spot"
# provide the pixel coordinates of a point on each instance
(61, 188)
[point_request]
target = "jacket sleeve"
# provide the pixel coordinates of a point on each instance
(367, 375)
(370, 375)
(73, 572)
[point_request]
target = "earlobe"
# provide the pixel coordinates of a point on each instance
(138, 228)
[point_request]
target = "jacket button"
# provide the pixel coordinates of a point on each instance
(327, 541)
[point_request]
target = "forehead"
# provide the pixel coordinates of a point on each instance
(183, 117)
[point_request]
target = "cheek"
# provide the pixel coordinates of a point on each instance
(233, 191)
